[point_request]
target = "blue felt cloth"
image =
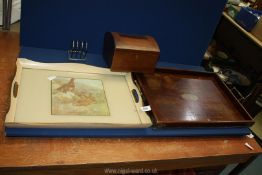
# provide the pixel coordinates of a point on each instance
(60, 56)
(183, 29)
(148, 132)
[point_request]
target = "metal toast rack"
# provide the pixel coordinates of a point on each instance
(78, 51)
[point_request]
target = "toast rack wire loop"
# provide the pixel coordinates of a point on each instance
(78, 51)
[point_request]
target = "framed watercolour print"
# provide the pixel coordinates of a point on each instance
(73, 96)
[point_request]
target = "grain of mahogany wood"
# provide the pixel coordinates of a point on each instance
(82, 155)
(181, 98)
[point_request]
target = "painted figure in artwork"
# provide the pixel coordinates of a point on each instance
(70, 86)
(78, 97)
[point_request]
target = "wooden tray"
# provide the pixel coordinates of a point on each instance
(185, 98)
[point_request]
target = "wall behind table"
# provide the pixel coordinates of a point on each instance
(183, 29)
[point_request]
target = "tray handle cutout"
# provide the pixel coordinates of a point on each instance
(15, 89)
(135, 95)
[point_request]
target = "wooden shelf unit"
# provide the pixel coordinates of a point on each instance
(248, 34)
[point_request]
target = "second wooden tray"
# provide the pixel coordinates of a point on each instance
(181, 98)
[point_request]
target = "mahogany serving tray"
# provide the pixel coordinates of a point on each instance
(180, 98)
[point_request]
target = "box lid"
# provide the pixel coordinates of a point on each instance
(131, 42)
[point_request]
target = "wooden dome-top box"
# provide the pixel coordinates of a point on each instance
(129, 53)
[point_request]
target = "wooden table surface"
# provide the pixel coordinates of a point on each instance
(82, 155)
